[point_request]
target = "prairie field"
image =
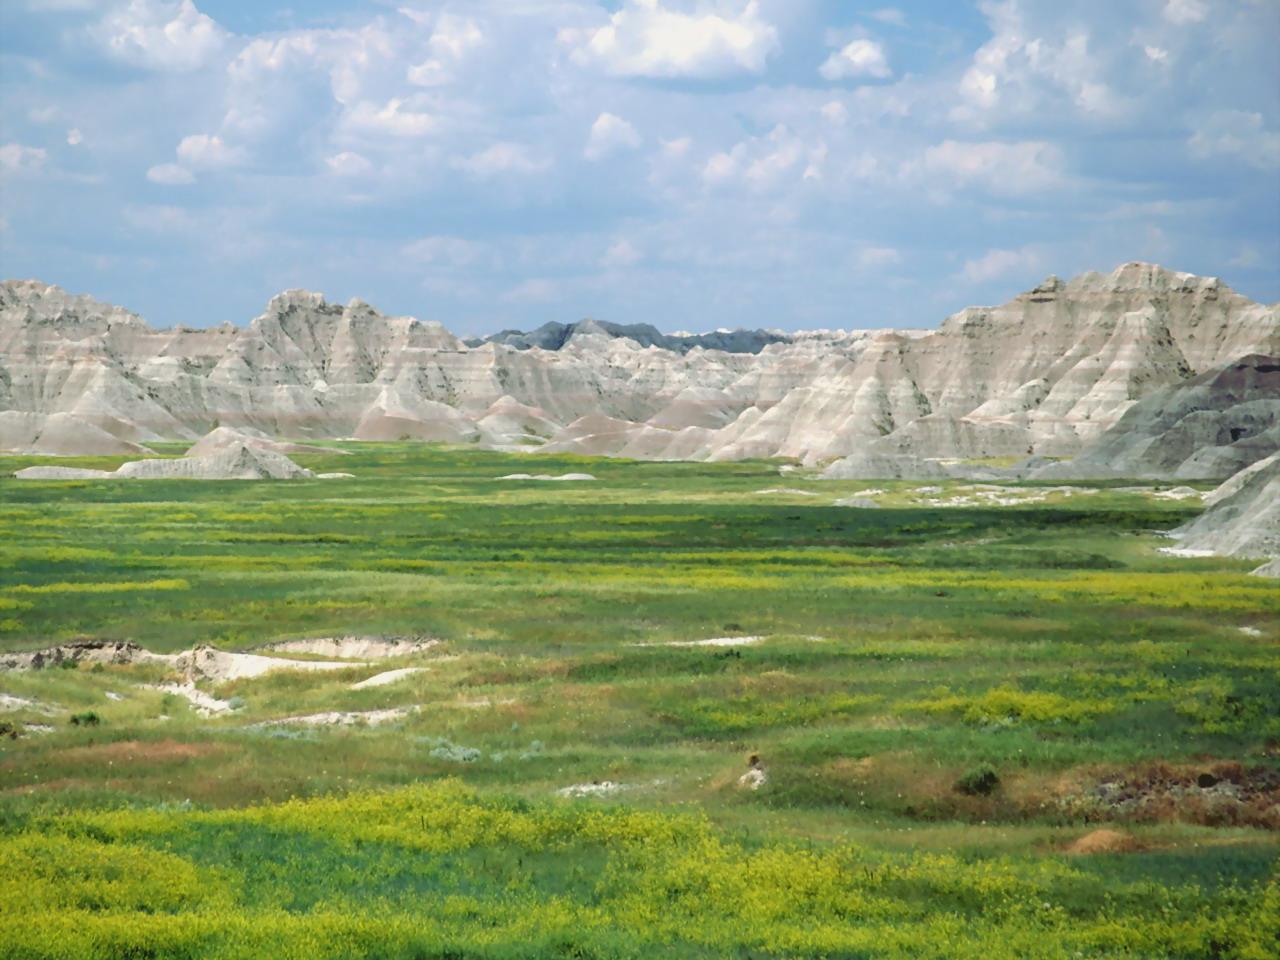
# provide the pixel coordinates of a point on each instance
(680, 710)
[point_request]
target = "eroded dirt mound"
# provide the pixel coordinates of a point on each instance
(213, 664)
(356, 648)
(77, 651)
(1214, 794)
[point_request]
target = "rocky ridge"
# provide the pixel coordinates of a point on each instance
(1050, 373)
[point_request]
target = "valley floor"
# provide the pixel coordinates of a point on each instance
(679, 709)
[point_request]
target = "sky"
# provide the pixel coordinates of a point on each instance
(687, 163)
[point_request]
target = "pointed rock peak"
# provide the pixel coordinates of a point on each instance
(1046, 291)
(294, 299)
(359, 308)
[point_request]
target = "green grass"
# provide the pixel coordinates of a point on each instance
(904, 649)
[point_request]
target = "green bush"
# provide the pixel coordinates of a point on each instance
(979, 782)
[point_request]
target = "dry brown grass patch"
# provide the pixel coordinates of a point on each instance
(1105, 841)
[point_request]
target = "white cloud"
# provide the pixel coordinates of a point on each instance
(620, 254)
(1156, 54)
(1000, 167)
(644, 39)
(158, 35)
(1028, 68)
(392, 119)
(763, 162)
(858, 58)
(170, 174)
(348, 164)
(720, 167)
(502, 157)
(74, 137)
(610, 134)
(995, 264)
(677, 147)
(890, 15)
(835, 112)
(16, 158)
(209, 152)
(453, 38)
(1185, 11)
(1239, 135)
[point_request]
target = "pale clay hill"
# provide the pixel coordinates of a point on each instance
(1047, 374)
(1242, 519)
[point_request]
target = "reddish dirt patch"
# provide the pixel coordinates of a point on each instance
(139, 751)
(1104, 841)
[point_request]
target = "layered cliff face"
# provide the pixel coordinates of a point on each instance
(1048, 373)
(1206, 427)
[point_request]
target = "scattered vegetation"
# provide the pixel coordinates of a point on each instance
(941, 704)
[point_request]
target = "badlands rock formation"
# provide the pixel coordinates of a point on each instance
(236, 462)
(1243, 517)
(1210, 426)
(1047, 374)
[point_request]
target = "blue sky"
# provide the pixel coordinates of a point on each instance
(688, 163)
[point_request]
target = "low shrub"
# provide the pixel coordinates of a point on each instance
(981, 781)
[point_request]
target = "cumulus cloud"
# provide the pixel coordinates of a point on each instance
(1238, 135)
(74, 137)
(348, 164)
(677, 147)
(17, 158)
(484, 111)
(995, 264)
(890, 15)
(835, 112)
(1185, 11)
(157, 35)
(858, 58)
(610, 134)
(206, 151)
(391, 119)
(451, 40)
(644, 39)
(761, 163)
(170, 174)
(1031, 66)
(500, 158)
(620, 254)
(999, 167)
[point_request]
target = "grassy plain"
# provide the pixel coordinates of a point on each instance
(946, 698)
